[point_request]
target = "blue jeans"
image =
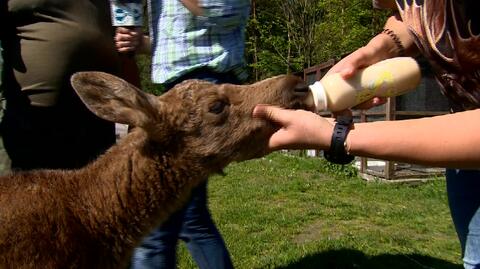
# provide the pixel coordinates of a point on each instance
(193, 224)
(463, 188)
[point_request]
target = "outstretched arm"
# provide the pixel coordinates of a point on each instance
(444, 141)
(379, 48)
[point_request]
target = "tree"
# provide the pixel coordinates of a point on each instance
(290, 35)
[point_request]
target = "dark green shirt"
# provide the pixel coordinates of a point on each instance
(46, 41)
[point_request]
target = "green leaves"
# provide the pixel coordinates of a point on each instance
(289, 35)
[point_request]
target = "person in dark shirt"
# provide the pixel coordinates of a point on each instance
(45, 124)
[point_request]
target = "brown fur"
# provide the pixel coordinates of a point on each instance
(93, 217)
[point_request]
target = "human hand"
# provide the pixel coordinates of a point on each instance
(128, 39)
(299, 129)
(357, 60)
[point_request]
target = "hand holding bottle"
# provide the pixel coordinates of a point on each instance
(386, 78)
(351, 64)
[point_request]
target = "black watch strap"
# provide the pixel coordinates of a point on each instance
(336, 153)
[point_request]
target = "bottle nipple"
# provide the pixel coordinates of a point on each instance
(319, 96)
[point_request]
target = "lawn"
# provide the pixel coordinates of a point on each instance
(286, 211)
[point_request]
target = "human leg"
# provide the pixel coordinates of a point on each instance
(471, 256)
(200, 234)
(158, 249)
(196, 227)
(463, 188)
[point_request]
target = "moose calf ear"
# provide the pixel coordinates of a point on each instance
(113, 99)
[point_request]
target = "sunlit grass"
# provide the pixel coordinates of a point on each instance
(285, 211)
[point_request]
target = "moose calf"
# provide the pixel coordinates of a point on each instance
(93, 217)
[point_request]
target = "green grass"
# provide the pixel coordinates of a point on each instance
(286, 211)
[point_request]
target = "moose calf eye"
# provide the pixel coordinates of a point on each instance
(218, 106)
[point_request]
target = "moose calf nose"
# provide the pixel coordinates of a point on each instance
(302, 92)
(301, 89)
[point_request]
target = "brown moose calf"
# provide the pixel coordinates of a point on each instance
(93, 217)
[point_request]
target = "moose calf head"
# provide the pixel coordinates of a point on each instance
(209, 122)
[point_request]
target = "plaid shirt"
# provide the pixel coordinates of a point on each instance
(183, 42)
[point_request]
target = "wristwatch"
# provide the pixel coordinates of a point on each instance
(337, 153)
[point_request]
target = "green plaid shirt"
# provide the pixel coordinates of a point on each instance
(183, 42)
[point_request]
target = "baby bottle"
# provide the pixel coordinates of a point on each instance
(387, 78)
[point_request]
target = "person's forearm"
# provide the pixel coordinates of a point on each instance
(401, 30)
(444, 141)
(384, 44)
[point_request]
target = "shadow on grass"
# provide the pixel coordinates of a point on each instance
(354, 259)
